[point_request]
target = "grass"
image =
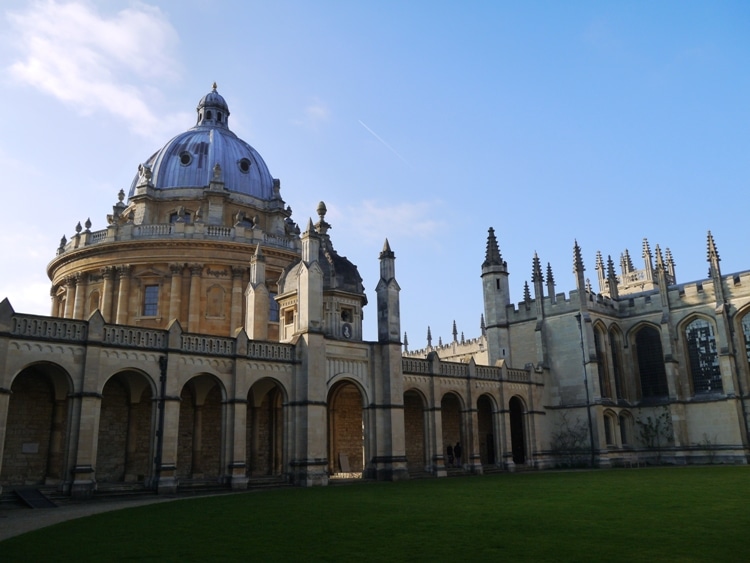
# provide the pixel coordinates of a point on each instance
(657, 514)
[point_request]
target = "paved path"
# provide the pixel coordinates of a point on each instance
(16, 520)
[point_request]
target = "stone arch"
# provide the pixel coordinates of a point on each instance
(451, 413)
(517, 411)
(486, 409)
(610, 428)
(415, 435)
(125, 444)
(266, 401)
(702, 357)
(346, 428)
(199, 451)
(37, 426)
(649, 357)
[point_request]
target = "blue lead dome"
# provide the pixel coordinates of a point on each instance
(188, 160)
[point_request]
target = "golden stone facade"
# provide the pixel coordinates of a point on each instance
(203, 337)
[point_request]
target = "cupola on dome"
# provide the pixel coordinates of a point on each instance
(189, 160)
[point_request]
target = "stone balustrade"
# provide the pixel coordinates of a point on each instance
(193, 231)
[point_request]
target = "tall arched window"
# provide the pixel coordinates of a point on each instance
(614, 347)
(746, 335)
(702, 357)
(651, 363)
(601, 359)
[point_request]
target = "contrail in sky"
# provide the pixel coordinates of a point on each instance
(374, 134)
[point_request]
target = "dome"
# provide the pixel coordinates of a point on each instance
(188, 160)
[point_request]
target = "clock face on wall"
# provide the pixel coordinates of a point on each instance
(346, 331)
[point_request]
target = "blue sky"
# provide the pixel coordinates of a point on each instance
(423, 122)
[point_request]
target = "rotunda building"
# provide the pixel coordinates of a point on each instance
(180, 248)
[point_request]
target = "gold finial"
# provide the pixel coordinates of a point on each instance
(214, 85)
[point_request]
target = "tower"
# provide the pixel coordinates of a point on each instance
(496, 294)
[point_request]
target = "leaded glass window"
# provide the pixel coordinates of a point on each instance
(614, 345)
(746, 335)
(702, 356)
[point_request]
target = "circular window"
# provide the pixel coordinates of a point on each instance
(244, 165)
(185, 158)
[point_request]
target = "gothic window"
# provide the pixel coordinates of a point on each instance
(614, 346)
(150, 300)
(746, 335)
(651, 363)
(608, 436)
(601, 359)
(702, 357)
(625, 425)
(273, 313)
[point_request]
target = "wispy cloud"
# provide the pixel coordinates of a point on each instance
(95, 62)
(371, 220)
(315, 114)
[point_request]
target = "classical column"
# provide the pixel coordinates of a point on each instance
(236, 311)
(70, 296)
(123, 294)
(108, 275)
(80, 296)
(194, 315)
(175, 292)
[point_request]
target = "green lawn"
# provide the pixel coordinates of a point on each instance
(657, 514)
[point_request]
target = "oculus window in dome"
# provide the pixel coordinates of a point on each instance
(189, 159)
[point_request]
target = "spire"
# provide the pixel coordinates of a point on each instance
(536, 270)
(440, 341)
(463, 340)
(455, 332)
(627, 263)
(526, 294)
(612, 278)
(482, 326)
(648, 260)
(492, 256)
(670, 266)
(578, 267)
(550, 283)
(601, 272)
(429, 337)
(713, 254)
(406, 342)
(387, 263)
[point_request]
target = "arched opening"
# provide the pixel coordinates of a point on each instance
(600, 339)
(650, 357)
(346, 440)
(450, 412)
(485, 423)
(265, 429)
(615, 347)
(199, 440)
(36, 430)
(414, 432)
(517, 430)
(124, 447)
